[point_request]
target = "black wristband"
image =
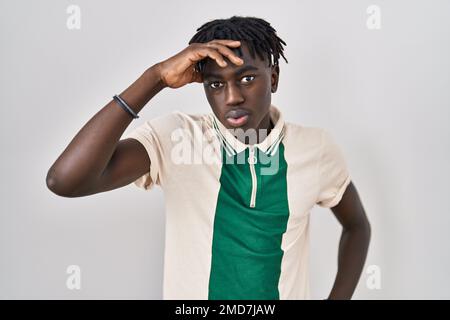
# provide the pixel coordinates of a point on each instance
(125, 106)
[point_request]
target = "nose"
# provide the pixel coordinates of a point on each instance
(233, 95)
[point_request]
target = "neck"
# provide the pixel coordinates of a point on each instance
(263, 130)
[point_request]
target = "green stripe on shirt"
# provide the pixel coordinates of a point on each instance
(246, 248)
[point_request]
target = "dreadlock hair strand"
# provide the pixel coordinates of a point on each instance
(258, 34)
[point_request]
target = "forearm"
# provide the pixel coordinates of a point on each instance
(89, 152)
(353, 247)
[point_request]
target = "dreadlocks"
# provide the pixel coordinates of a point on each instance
(257, 33)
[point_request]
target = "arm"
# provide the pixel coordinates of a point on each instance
(79, 169)
(353, 245)
(95, 160)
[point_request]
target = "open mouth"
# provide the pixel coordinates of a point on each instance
(237, 118)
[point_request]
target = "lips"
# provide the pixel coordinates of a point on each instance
(236, 113)
(237, 117)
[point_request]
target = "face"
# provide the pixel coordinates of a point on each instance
(240, 96)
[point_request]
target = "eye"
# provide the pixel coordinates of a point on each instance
(247, 77)
(215, 84)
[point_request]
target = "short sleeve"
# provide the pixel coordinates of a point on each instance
(154, 135)
(333, 175)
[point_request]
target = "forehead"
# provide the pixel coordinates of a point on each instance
(212, 69)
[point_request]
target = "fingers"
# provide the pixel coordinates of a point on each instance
(225, 51)
(218, 49)
(214, 55)
(226, 42)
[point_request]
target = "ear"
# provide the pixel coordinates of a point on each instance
(274, 78)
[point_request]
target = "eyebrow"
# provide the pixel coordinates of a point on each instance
(239, 71)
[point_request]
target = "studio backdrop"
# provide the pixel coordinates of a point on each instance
(375, 74)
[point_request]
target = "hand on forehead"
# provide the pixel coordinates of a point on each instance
(256, 61)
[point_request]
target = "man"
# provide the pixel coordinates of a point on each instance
(239, 183)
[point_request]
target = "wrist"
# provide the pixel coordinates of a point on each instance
(155, 72)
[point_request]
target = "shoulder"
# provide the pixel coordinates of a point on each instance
(176, 120)
(304, 136)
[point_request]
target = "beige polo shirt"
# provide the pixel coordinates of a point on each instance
(237, 215)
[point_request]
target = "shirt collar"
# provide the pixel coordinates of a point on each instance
(270, 143)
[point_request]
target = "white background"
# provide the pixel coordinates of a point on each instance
(383, 94)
